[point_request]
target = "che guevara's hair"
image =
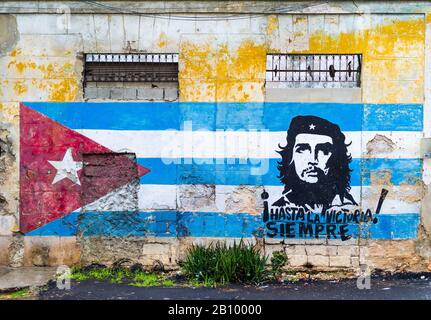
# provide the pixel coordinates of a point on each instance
(337, 181)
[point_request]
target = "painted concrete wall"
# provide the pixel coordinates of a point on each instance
(223, 61)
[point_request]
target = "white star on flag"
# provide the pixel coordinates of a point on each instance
(312, 127)
(67, 168)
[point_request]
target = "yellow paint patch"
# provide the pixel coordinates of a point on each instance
(383, 40)
(19, 88)
(56, 71)
(228, 75)
(47, 71)
(238, 74)
(162, 41)
(10, 112)
(272, 24)
(15, 52)
(21, 66)
(65, 90)
(384, 49)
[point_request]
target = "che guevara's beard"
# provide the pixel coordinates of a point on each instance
(303, 193)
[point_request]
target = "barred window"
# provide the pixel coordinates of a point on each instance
(131, 67)
(131, 76)
(314, 70)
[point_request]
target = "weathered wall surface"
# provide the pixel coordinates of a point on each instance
(224, 60)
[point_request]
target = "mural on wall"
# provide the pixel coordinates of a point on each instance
(315, 172)
(315, 165)
(103, 169)
(52, 183)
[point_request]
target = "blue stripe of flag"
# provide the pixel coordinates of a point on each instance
(204, 224)
(272, 116)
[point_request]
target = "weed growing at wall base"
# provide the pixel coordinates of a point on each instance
(138, 278)
(221, 264)
(278, 261)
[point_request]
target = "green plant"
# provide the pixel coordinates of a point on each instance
(278, 261)
(22, 293)
(143, 279)
(136, 277)
(100, 274)
(221, 264)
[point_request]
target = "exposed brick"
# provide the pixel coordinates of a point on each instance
(91, 93)
(270, 249)
(348, 251)
(152, 252)
(340, 261)
(51, 251)
(130, 94)
(319, 261)
(103, 93)
(332, 250)
(355, 262)
(295, 250)
(350, 242)
(272, 240)
(392, 248)
(316, 241)
(290, 241)
(316, 250)
(297, 261)
(104, 172)
(116, 93)
(150, 94)
(171, 94)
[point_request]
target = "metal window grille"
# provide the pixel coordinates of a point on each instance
(160, 67)
(315, 70)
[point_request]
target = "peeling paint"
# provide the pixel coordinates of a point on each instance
(9, 35)
(162, 40)
(380, 144)
(272, 24)
(20, 88)
(65, 90)
(245, 199)
(224, 75)
(192, 196)
(382, 46)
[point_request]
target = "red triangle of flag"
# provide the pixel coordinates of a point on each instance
(52, 183)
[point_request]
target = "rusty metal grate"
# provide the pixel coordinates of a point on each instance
(314, 70)
(131, 67)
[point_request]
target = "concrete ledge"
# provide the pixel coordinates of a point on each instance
(344, 95)
(17, 278)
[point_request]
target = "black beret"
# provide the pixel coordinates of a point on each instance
(312, 125)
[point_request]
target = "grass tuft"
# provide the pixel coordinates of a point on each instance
(138, 277)
(22, 293)
(219, 264)
(278, 261)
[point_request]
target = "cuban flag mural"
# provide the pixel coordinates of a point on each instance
(177, 169)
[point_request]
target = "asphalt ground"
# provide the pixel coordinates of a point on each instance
(382, 287)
